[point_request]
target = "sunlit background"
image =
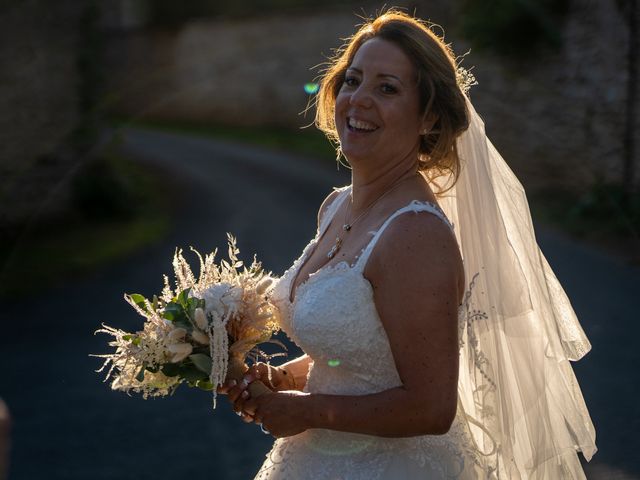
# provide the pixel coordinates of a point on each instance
(131, 127)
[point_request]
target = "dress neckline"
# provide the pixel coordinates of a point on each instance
(342, 265)
(293, 295)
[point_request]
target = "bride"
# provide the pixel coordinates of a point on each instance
(437, 338)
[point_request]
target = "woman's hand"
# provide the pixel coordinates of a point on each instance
(237, 391)
(275, 378)
(282, 414)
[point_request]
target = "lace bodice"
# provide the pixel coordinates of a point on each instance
(333, 318)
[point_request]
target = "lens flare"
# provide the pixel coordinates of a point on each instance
(333, 363)
(311, 88)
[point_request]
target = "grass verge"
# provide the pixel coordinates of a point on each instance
(117, 209)
(601, 216)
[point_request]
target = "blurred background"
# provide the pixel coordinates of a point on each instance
(132, 127)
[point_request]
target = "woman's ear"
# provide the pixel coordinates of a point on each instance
(428, 121)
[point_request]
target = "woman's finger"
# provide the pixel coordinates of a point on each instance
(238, 405)
(247, 418)
(235, 394)
(225, 387)
(250, 407)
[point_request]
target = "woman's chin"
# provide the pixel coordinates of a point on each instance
(355, 155)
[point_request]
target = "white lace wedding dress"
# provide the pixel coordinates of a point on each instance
(333, 319)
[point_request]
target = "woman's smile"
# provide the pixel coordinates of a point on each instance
(360, 126)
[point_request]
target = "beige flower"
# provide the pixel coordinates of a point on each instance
(264, 284)
(200, 337)
(201, 319)
(176, 335)
(180, 351)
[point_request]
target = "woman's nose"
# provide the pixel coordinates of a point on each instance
(360, 97)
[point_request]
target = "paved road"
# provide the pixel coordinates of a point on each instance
(68, 425)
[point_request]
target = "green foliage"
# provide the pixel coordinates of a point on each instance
(102, 191)
(192, 374)
(602, 213)
(139, 300)
(609, 204)
(202, 362)
(205, 385)
(171, 369)
(513, 27)
(180, 309)
(169, 13)
(92, 235)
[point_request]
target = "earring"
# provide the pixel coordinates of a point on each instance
(423, 132)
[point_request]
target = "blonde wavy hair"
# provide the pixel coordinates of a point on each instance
(438, 76)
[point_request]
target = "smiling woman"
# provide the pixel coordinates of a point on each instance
(408, 373)
(426, 77)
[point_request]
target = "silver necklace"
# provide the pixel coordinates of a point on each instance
(346, 227)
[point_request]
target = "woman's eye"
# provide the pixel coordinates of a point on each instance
(388, 88)
(350, 81)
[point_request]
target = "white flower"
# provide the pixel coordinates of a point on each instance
(233, 297)
(213, 298)
(180, 351)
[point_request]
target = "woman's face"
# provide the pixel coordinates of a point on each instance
(377, 107)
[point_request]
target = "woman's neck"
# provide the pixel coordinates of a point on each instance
(367, 188)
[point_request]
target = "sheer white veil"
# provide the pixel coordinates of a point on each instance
(518, 331)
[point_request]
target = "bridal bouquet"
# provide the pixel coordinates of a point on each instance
(200, 333)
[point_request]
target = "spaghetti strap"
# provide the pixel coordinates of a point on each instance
(332, 209)
(415, 206)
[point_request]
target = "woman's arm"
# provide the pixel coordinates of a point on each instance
(294, 373)
(417, 277)
(288, 376)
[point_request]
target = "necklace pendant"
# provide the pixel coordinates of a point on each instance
(335, 248)
(346, 227)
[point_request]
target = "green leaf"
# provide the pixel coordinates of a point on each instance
(183, 297)
(175, 312)
(171, 369)
(135, 341)
(204, 385)
(192, 374)
(202, 362)
(139, 300)
(172, 311)
(183, 321)
(140, 375)
(128, 336)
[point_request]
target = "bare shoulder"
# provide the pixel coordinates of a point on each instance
(418, 251)
(328, 201)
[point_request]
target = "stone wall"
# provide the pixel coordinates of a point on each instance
(249, 72)
(38, 101)
(557, 117)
